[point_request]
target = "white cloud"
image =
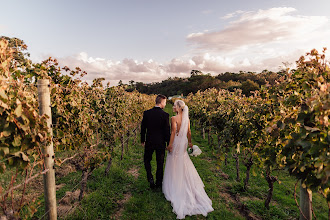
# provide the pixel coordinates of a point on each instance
(152, 71)
(113, 71)
(231, 15)
(261, 28)
(145, 71)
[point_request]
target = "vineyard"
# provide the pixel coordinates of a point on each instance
(278, 130)
(282, 127)
(87, 121)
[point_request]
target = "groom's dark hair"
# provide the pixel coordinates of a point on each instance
(159, 98)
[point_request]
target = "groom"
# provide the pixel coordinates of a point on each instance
(155, 133)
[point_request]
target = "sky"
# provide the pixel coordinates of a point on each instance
(151, 40)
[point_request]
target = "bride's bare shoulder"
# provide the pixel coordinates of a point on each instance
(173, 118)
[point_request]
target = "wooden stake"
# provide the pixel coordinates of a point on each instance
(305, 203)
(48, 151)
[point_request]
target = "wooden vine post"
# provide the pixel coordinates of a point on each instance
(48, 152)
(305, 203)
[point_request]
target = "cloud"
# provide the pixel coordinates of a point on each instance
(231, 15)
(250, 29)
(113, 71)
(152, 71)
(144, 71)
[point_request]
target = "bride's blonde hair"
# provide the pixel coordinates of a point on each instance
(179, 104)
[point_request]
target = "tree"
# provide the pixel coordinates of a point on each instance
(19, 54)
(196, 73)
(248, 86)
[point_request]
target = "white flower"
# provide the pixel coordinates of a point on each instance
(195, 151)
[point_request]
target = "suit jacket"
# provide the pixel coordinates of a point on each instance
(155, 128)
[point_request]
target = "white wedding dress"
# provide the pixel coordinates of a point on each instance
(182, 185)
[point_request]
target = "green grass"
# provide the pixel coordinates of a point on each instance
(105, 193)
(148, 204)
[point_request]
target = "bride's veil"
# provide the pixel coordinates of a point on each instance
(181, 142)
(185, 122)
(182, 184)
(177, 164)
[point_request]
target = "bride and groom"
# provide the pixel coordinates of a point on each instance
(180, 183)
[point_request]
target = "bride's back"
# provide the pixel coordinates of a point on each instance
(178, 121)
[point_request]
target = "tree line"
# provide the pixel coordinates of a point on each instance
(245, 81)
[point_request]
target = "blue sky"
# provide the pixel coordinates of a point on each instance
(153, 40)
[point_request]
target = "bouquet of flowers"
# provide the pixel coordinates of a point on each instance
(194, 151)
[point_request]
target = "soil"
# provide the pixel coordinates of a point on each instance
(121, 204)
(68, 203)
(243, 210)
(134, 171)
(64, 170)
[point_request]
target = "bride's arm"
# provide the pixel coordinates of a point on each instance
(173, 130)
(189, 135)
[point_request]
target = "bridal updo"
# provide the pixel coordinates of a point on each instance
(179, 104)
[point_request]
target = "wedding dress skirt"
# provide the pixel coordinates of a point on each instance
(182, 185)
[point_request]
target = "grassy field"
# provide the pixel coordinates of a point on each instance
(125, 192)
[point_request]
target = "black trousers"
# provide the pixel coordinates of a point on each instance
(160, 154)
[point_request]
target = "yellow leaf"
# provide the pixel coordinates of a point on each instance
(18, 110)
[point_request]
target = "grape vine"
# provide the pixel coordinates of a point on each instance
(285, 126)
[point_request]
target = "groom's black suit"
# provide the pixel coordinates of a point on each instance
(155, 133)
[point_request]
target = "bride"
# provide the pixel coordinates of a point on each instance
(182, 184)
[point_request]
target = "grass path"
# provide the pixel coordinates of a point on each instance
(151, 204)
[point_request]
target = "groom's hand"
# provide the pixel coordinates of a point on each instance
(143, 144)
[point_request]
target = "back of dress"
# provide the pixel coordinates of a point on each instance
(180, 143)
(182, 184)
